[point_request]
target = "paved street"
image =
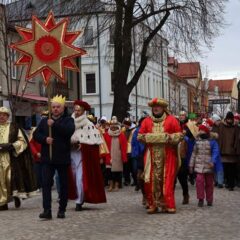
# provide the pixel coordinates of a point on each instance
(123, 217)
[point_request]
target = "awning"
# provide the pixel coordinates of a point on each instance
(33, 97)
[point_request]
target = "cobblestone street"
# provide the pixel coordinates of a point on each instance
(123, 217)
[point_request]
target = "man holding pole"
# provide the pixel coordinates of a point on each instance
(55, 154)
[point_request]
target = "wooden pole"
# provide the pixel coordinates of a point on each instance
(49, 117)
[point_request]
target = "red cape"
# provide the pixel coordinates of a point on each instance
(93, 184)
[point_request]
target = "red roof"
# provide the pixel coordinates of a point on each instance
(224, 85)
(189, 70)
(172, 75)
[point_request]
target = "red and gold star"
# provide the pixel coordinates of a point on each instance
(47, 48)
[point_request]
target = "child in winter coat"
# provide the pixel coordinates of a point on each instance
(204, 157)
(117, 145)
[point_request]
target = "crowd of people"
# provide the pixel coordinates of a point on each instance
(87, 156)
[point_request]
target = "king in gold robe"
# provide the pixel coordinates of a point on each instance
(161, 133)
(12, 169)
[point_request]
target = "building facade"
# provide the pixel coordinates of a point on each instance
(223, 96)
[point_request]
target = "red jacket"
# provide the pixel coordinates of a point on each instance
(35, 149)
(123, 145)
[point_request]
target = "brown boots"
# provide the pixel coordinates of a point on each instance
(116, 186)
(113, 186)
(110, 188)
(185, 199)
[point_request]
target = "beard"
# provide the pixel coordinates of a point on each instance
(158, 115)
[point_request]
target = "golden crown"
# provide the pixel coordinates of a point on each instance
(58, 99)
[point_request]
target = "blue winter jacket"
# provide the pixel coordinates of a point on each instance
(62, 130)
(216, 156)
(137, 147)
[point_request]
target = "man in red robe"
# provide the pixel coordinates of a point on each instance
(161, 133)
(85, 158)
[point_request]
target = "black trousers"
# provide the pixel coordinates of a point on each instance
(130, 169)
(183, 177)
(48, 171)
(230, 174)
(114, 176)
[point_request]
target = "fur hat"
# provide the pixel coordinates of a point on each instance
(83, 104)
(158, 102)
(5, 110)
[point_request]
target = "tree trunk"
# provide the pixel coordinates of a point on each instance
(120, 104)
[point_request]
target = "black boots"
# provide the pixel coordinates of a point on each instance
(200, 203)
(17, 202)
(46, 214)
(61, 214)
(185, 199)
(78, 207)
(4, 207)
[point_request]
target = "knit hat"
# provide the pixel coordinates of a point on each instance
(206, 125)
(229, 115)
(5, 110)
(215, 117)
(236, 116)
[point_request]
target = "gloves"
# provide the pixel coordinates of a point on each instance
(6, 147)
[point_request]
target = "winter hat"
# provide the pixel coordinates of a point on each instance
(215, 117)
(236, 116)
(127, 121)
(5, 110)
(114, 121)
(103, 118)
(229, 115)
(82, 104)
(206, 125)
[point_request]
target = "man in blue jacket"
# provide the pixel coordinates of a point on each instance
(62, 129)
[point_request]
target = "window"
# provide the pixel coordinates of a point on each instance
(88, 36)
(112, 81)
(90, 83)
(13, 67)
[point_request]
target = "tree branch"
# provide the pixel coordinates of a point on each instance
(153, 13)
(144, 57)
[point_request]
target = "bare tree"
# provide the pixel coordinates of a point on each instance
(12, 84)
(187, 25)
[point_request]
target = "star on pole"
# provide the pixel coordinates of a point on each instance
(47, 48)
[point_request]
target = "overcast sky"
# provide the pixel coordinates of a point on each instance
(223, 61)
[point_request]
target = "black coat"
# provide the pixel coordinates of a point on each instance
(62, 130)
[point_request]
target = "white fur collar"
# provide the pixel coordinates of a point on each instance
(80, 121)
(115, 133)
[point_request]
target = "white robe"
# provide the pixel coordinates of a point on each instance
(86, 133)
